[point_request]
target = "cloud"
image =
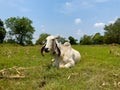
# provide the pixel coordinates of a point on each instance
(99, 25)
(42, 28)
(67, 7)
(77, 5)
(79, 32)
(68, 4)
(113, 21)
(77, 21)
(101, 1)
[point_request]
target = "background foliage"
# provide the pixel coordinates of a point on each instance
(20, 30)
(112, 32)
(2, 31)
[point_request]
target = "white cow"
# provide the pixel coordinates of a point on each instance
(65, 55)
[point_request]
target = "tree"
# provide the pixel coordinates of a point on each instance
(72, 40)
(2, 31)
(97, 39)
(86, 40)
(62, 40)
(21, 29)
(42, 38)
(112, 32)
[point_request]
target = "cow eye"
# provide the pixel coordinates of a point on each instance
(53, 39)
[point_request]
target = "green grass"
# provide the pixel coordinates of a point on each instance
(98, 70)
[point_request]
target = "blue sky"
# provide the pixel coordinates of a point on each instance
(63, 17)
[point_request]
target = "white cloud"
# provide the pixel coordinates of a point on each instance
(77, 5)
(42, 28)
(77, 21)
(68, 4)
(113, 21)
(99, 25)
(101, 1)
(67, 7)
(79, 32)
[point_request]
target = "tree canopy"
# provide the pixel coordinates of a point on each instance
(2, 31)
(112, 32)
(86, 40)
(42, 38)
(72, 40)
(97, 39)
(20, 29)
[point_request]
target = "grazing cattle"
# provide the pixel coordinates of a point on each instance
(65, 55)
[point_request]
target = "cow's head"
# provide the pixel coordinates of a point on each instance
(51, 45)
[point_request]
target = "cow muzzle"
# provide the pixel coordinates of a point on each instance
(46, 49)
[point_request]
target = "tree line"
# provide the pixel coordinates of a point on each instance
(20, 30)
(111, 35)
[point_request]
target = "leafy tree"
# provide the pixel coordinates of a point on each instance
(62, 40)
(42, 38)
(2, 31)
(86, 40)
(72, 40)
(97, 39)
(112, 32)
(21, 29)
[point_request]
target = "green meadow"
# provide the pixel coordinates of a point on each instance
(99, 69)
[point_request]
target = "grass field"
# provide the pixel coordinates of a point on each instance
(99, 69)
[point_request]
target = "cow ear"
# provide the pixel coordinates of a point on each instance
(42, 49)
(58, 52)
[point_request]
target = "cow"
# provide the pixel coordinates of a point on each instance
(65, 55)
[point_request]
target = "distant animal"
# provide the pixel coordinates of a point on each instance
(65, 55)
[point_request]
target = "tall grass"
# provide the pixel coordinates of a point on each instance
(98, 69)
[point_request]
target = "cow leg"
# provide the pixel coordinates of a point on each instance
(55, 63)
(61, 66)
(71, 63)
